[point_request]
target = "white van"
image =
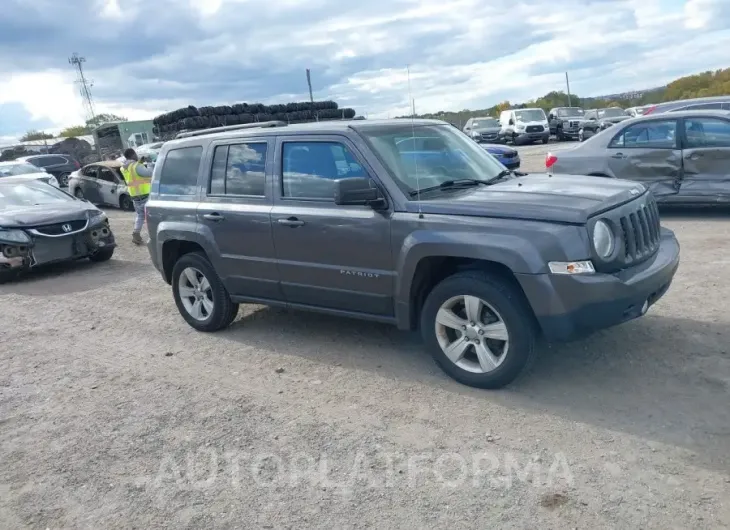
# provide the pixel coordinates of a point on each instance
(524, 126)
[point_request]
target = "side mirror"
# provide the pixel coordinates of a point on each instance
(358, 191)
(511, 121)
(551, 116)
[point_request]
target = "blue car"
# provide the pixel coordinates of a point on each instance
(508, 156)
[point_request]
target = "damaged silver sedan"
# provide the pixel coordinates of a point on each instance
(40, 225)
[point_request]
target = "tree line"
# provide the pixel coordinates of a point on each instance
(705, 84)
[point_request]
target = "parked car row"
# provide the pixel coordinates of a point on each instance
(530, 125)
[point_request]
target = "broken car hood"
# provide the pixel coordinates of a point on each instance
(538, 197)
(45, 214)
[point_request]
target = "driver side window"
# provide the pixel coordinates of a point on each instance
(90, 172)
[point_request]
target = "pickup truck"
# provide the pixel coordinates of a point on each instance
(346, 218)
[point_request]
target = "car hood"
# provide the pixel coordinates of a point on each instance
(538, 197)
(614, 119)
(497, 149)
(27, 176)
(488, 130)
(45, 214)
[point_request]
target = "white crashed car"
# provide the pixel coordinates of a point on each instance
(23, 170)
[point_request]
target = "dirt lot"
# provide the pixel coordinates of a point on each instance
(115, 414)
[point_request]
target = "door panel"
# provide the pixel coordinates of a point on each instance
(241, 225)
(108, 186)
(91, 186)
(706, 159)
(648, 152)
(330, 256)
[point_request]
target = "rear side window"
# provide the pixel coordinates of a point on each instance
(648, 135)
(179, 174)
(706, 132)
(239, 169)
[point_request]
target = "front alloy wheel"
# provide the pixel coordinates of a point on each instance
(472, 334)
(479, 328)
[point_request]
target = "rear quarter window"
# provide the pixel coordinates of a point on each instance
(179, 173)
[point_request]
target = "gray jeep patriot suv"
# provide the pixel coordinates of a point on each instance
(349, 218)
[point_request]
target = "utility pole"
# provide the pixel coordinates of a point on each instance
(84, 86)
(567, 82)
(309, 84)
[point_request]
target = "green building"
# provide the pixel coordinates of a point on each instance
(115, 137)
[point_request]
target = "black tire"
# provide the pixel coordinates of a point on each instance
(224, 309)
(78, 193)
(63, 180)
(104, 254)
(125, 203)
(507, 299)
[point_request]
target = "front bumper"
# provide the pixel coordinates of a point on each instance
(45, 250)
(510, 163)
(568, 307)
(525, 137)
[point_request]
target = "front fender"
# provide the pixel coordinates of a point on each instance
(525, 249)
(512, 251)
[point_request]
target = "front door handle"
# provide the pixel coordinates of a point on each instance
(693, 156)
(214, 216)
(290, 221)
(618, 155)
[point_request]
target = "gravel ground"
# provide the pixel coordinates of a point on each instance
(115, 414)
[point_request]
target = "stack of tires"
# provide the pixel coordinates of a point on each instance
(192, 118)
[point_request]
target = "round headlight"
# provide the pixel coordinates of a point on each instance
(603, 239)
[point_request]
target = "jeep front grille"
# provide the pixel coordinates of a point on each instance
(641, 231)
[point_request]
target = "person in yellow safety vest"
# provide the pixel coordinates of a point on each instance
(138, 177)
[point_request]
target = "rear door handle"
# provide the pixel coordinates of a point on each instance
(290, 221)
(214, 216)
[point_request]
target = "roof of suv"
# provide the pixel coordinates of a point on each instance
(322, 127)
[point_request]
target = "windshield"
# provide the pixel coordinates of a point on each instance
(483, 123)
(530, 115)
(570, 111)
(434, 155)
(13, 170)
(14, 195)
(611, 113)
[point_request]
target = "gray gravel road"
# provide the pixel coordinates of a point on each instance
(115, 414)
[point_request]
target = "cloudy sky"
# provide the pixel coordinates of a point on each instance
(150, 56)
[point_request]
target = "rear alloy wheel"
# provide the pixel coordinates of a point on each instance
(479, 329)
(63, 180)
(78, 193)
(200, 296)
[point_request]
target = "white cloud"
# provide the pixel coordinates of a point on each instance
(147, 57)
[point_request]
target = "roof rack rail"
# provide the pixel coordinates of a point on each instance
(225, 128)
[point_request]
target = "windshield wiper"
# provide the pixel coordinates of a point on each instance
(450, 184)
